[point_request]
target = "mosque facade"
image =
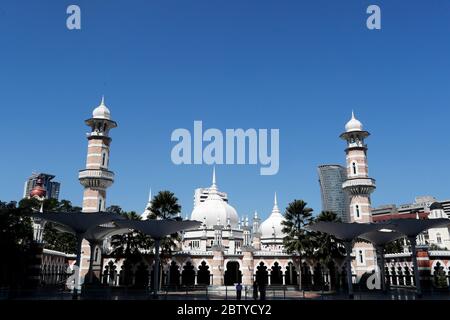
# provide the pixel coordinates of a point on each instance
(227, 249)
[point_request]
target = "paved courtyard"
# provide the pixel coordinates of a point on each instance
(211, 294)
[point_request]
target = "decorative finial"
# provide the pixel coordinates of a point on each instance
(353, 114)
(150, 195)
(214, 176)
(256, 214)
(275, 202)
(103, 100)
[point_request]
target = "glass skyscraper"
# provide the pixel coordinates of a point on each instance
(334, 198)
(52, 187)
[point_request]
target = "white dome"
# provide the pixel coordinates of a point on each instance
(272, 227)
(215, 210)
(354, 124)
(102, 111)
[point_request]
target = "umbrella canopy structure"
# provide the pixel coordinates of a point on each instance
(346, 232)
(78, 223)
(157, 229)
(379, 238)
(83, 226)
(96, 236)
(412, 228)
(397, 228)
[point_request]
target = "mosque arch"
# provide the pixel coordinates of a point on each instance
(276, 275)
(291, 274)
(439, 275)
(142, 276)
(203, 274)
(232, 274)
(318, 276)
(261, 274)
(306, 275)
(188, 274)
(174, 274)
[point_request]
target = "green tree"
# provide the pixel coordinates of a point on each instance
(16, 236)
(131, 245)
(53, 239)
(327, 247)
(165, 205)
(395, 246)
(298, 239)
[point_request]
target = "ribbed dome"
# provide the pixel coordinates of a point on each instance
(214, 209)
(272, 227)
(102, 111)
(354, 124)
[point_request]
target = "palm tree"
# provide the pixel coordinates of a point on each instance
(327, 247)
(131, 245)
(297, 240)
(165, 205)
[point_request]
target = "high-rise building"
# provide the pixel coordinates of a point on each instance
(201, 194)
(51, 187)
(334, 198)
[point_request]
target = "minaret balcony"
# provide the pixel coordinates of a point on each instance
(359, 186)
(96, 178)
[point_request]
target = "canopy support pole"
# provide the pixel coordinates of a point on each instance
(380, 253)
(77, 267)
(156, 269)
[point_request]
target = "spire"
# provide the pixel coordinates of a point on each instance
(275, 209)
(214, 185)
(353, 115)
(150, 196)
(256, 215)
(214, 177)
(103, 100)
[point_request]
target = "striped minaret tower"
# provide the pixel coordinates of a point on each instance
(359, 186)
(96, 178)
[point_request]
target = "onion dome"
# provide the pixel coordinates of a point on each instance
(436, 206)
(215, 209)
(353, 125)
(102, 111)
(272, 228)
(38, 191)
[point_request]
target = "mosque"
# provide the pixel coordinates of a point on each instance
(226, 249)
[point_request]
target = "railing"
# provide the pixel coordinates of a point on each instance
(96, 173)
(366, 182)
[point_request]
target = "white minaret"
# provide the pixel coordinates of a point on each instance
(359, 186)
(96, 178)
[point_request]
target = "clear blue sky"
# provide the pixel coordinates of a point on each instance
(300, 66)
